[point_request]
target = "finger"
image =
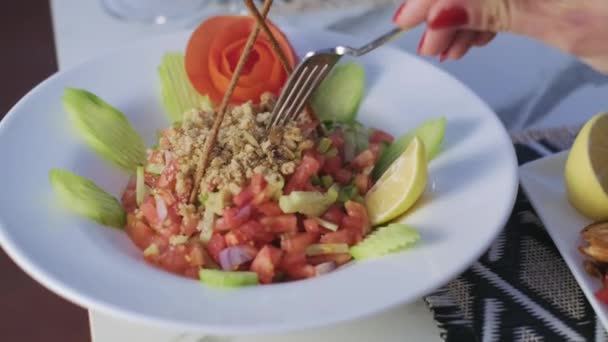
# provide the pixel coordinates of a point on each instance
(435, 42)
(412, 13)
(461, 45)
(486, 15)
(483, 38)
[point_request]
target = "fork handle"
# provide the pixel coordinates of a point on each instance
(383, 39)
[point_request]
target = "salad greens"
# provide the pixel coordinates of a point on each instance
(87, 199)
(339, 95)
(105, 129)
(385, 240)
(177, 93)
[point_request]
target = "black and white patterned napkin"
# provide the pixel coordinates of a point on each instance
(521, 288)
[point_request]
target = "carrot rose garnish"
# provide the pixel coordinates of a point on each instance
(214, 49)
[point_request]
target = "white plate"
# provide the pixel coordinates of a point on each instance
(543, 182)
(470, 195)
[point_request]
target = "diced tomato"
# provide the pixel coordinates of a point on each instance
(339, 259)
(301, 271)
(332, 165)
(215, 245)
(196, 255)
(337, 138)
(243, 198)
(376, 149)
(150, 180)
(189, 224)
(308, 127)
(167, 177)
(256, 232)
(173, 214)
(148, 209)
(298, 242)
(191, 272)
(311, 226)
(316, 156)
(355, 226)
(343, 176)
(364, 159)
(334, 214)
(269, 209)
(129, 197)
(287, 223)
(141, 235)
(358, 210)
(174, 259)
(258, 183)
(602, 295)
(340, 236)
(308, 166)
(290, 259)
(236, 237)
(379, 136)
(156, 157)
(362, 182)
(233, 218)
(265, 263)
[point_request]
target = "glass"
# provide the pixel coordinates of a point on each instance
(165, 11)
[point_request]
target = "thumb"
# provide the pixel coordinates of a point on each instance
(518, 16)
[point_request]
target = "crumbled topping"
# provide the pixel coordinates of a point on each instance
(244, 147)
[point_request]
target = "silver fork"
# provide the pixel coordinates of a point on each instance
(311, 71)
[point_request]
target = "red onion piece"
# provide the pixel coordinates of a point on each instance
(243, 213)
(161, 208)
(168, 157)
(232, 257)
(325, 267)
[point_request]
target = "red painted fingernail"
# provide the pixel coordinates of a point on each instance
(421, 42)
(398, 12)
(443, 56)
(450, 17)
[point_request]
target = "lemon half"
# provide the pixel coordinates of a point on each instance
(400, 186)
(586, 174)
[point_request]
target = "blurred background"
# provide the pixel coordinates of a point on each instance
(527, 84)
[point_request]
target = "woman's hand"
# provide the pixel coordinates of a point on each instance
(578, 27)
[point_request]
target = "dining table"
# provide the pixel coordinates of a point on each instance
(541, 95)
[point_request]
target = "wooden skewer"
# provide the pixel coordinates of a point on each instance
(221, 112)
(276, 47)
(253, 10)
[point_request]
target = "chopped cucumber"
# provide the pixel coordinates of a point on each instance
(327, 181)
(206, 225)
(309, 203)
(324, 145)
(385, 240)
(155, 169)
(326, 224)
(431, 133)
(87, 199)
(338, 97)
(140, 186)
(326, 248)
(151, 250)
(177, 93)
(216, 278)
(347, 193)
(105, 129)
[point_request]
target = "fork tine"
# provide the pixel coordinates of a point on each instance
(297, 91)
(287, 93)
(300, 103)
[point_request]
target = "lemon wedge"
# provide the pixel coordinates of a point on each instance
(586, 174)
(400, 186)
